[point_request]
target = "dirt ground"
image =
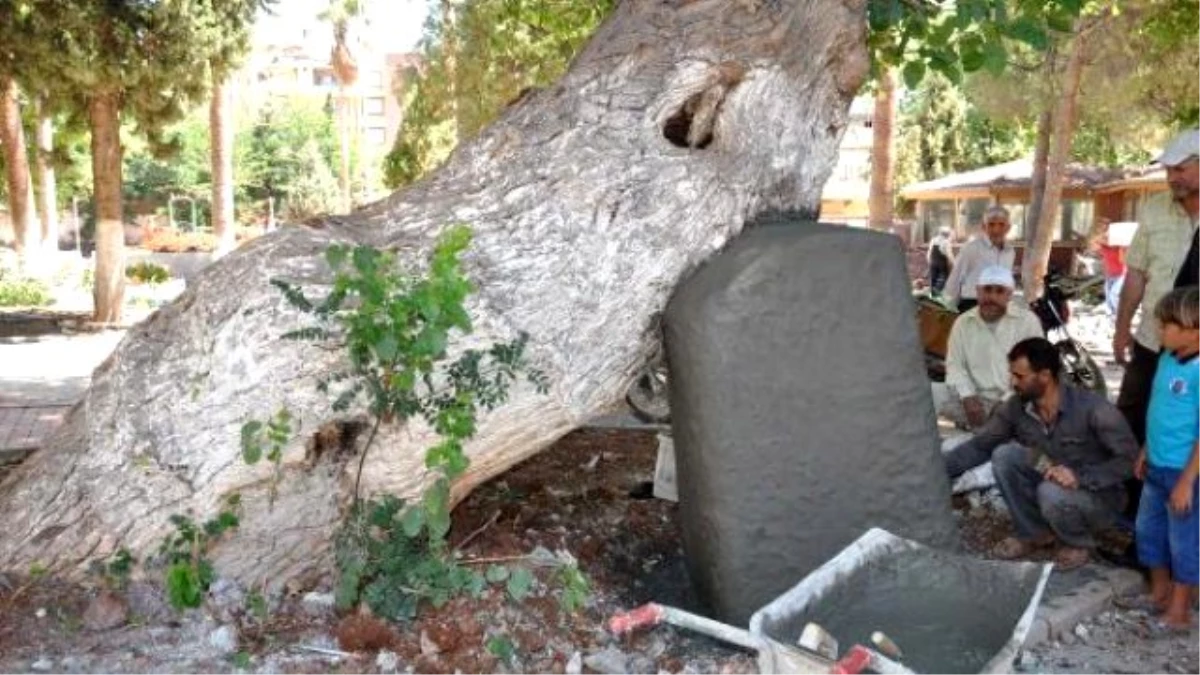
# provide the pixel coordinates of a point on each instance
(573, 497)
(587, 495)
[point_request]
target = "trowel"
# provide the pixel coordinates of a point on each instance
(772, 656)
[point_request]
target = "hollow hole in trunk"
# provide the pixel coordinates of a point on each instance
(335, 439)
(678, 127)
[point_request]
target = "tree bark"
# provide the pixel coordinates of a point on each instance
(1038, 258)
(221, 146)
(883, 153)
(48, 193)
(585, 216)
(109, 291)
(1037, 182)
(16, 163)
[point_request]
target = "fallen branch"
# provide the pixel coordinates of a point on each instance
(471, 537)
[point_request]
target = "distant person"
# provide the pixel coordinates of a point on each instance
(1168, 528)
(1113, 259)
(1060, 454)
(991, 248)
(977, 377)
(940, 258)
(1156, 256)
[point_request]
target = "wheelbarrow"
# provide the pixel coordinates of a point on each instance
(772, 656)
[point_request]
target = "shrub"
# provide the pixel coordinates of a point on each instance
(146, 272)
(23, 292)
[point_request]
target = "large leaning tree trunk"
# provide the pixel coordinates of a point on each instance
(589, 201)
(16, 170)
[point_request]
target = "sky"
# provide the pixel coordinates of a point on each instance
(392, 25)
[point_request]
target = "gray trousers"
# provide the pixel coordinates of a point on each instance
(1039, 506)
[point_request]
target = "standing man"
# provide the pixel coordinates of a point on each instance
(977, 377)
(1182, 161)
(1113, 258)
(940, 258)
(1061, 456)
(1155, 258)
(990, 249)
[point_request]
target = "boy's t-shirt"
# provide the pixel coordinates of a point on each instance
(1173, 419)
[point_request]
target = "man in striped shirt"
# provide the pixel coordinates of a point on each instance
(979, 253)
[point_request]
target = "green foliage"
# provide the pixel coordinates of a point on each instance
(16, 291)
(178, 164)
(924, 36)
(494, 51)
(147, 272)
(269, 439)
(256, 606)
(288, 152)
(502, 647)
(941, 132)
(396, 328)
(575, 588)
(114, 573)
(189, 572)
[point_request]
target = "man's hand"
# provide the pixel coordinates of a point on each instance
(1181, 496)
(976, 411)
(1062, 475)
(1122, 341)
(1139, 465)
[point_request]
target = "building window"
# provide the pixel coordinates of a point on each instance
(323, 79)
(373, 105)
(375, 79)
(376, 136)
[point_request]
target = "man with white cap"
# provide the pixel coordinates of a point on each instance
(1182, 162)
(1156, 257)
(977, 377)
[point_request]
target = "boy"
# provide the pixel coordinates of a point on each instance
(1167, 521)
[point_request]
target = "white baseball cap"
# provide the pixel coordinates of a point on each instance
(1183, 147)
(995, 275)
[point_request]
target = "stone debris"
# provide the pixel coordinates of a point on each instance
(607, 660)
(106, 611)
(387, 661)
(224, 639)
(574, 664)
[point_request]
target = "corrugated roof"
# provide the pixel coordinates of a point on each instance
(1015, 174)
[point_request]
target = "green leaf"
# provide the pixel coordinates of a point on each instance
(335, 255)
(502, 647)
(913, 73)
(1030, 32)
(387, 348)
(183, 586)
(251, 449)
(412, 521)
(520, 581)
(496, 574)
(995, 57)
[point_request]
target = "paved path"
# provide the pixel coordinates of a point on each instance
(40, 379)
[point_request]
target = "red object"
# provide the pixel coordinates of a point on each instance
(649, 614)
(855, 661)
(1114, 260)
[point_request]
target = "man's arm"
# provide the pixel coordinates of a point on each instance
(1131, 296)
(1117, 439)
(953, 289)
(998, 429)
(957, 376)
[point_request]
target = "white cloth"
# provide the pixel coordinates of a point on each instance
(979, 478)
(977, 358)
(972, 259)
(940, 242)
